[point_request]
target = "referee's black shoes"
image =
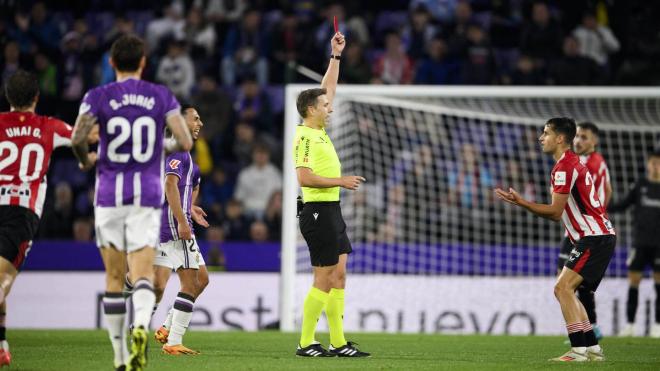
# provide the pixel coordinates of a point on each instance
(315, 349)
(348, 350)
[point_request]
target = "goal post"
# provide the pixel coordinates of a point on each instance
(430, 153)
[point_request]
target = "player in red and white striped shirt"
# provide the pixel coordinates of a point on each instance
(584, 145)
(26, 143)
(574, 202)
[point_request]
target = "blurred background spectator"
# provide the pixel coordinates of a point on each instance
(230, 59)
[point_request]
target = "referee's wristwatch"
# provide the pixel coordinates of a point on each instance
(337, 57)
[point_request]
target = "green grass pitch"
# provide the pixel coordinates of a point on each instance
(90, 350)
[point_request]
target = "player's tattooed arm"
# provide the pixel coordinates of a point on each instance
(80, 141)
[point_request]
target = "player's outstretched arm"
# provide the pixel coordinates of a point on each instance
(174, 200)
(552, 211)
(182, 141)
(331, 77)
(80, 140)
(307, 178)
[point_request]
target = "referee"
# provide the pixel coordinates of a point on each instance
(645, 197)
(321, 223)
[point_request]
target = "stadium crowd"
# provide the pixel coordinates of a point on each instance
(231, 58)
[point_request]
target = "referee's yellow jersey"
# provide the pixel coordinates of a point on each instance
(314, 149)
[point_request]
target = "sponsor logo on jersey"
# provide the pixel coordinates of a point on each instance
(174, 164)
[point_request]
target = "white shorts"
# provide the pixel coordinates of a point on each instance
(127, 228)
(179, 254)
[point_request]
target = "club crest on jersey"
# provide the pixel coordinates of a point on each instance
(574, 255)
(560, 178)
(174, 164)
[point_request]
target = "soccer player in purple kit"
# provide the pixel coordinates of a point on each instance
(178, 249)
(131, 115)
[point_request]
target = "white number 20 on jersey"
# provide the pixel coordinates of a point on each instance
(124, 130)
(26, 154)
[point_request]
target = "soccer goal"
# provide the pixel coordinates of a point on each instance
(432, 156)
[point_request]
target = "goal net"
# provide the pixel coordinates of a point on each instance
(432, 157)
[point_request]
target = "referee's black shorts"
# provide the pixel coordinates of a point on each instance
(324, 230)
(590, 258)
(18, 226)
(640, 257)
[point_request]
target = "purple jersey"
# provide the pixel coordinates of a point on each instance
(132, 116)
(181, 165)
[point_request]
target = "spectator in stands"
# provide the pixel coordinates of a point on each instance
(418, 34)
(243, 144)
(199, 34)
(572, 68)
(273, 216)
(355, 68)
(169, 26)
(47, 75)
(246, 50)
(438, 68)
(42, 28)
(122, 26)
(258, 231)
(478, 63)
(252, 105)
(470, 183)
(218, 190)
(352, 27)
(290, 41)
(90, 52)
(58, 216)
(236, 226)
(596, 41)
(70, 73)
(541, 38)
(11, 62)
(36, 31)
(176, 70)
(257, 182)
(83, 230)
(526, 72)
(462, 18)
(214, 105)
(394, 66)
(512, 176)
(215, 258)
(441, 10)
(222, 11)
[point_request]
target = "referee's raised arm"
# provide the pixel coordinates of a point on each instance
(329, 81)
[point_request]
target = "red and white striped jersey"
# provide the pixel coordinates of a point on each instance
(597, 167)
(583, 214)
(27, 141)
